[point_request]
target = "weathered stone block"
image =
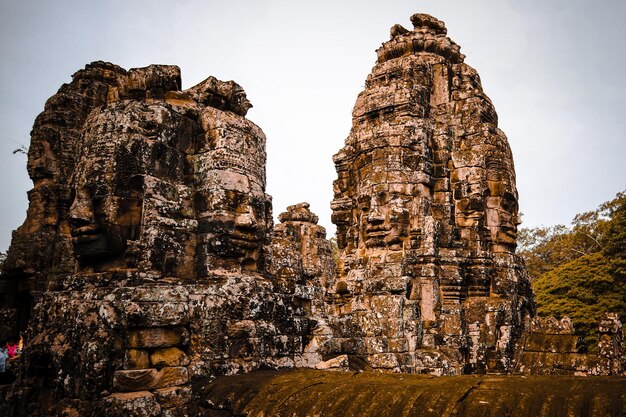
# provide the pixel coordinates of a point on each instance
(383, 361)
(173, 396)
(146, 379)
(241, 329)
(399, 344)
(170, 356)
(153, 337)
(172, 376)
(340, 362)
(131, 404)
(549, 363)
(376, 345)
(135, 380)
(153, 314)
(245, 348)
(556, 343)
(136, 359)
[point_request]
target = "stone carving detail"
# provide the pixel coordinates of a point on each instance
(551, 347)
(162, 267)
(426, 213)
(41, 249)
(551, 325)
(165, 179)
(149, 257)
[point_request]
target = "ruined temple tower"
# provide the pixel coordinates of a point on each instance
(426, 212)
(156, 261)
(149, 258)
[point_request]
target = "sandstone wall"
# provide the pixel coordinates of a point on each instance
(149, 262)
(551, 347)
(426, 213)
(159, 266)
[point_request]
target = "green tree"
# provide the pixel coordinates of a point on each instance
(614, 236)
(583, 289)
(580, 271)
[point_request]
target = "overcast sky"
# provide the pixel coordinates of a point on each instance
(555, 70)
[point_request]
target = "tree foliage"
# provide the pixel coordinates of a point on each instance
(580, 271)
(601, 230)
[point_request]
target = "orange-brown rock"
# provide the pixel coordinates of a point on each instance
(136, 359)
(154, 337)
(136, 379)
(170, 356)
(147, 379)
(426, 213)
(149, 257)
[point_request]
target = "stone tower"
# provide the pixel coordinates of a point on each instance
(159, 266)
(427, 211)
(149, 258)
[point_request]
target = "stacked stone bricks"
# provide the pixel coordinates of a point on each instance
(150, 204)
(426, 213)
(551, 347)
(149, 259)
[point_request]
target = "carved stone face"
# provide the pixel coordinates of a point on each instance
(102, 219)
(130, 178)
(383, 212)
(234, 216)
(239, 100)
(503, 219)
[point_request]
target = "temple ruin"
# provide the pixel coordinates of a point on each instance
(149, 259)
(426, 213)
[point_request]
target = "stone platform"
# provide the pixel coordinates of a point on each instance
(326, 393)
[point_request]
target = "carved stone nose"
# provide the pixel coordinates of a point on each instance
(375, 216)
(81, 213)
(245, 219)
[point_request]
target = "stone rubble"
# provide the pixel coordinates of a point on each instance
(551, 347)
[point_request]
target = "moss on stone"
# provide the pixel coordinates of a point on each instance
(308, 392)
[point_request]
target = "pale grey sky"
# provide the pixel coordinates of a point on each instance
(553, 68)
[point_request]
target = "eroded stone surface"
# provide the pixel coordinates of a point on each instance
(136, 359)
(132, 404)
(156, 337)
(329, 393)
(426, 213)
(170, 356)
(160, 267)
(551, 347)
(150, 258)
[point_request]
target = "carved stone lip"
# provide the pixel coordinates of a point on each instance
(84, 238)
(247, 240)
(85, 234)
(375, 232)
